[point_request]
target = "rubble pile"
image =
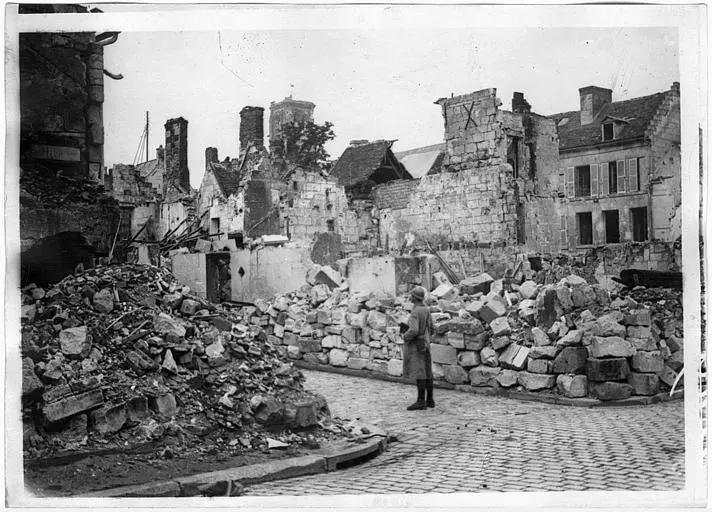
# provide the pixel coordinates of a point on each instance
(124, 354)
(571, 338)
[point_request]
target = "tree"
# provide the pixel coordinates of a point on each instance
(302, 143)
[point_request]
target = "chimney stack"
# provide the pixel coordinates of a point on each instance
(593, 99)
(251, 128)
(520, 105)
(176, 153)
(211, 156)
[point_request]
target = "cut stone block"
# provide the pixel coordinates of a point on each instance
(571, 360)
(536, 381)
(484, 376)
(539, 337)
(668, 376)
(468, 359)
(294, 352)
(489, 357)
(455, 374)
(456, 339)
(548, 352)
(357, 363)
(676, 361)
(501, 342)
(528, 290)
(445, 291)
(507, 378)
(540, 366)
(377, 320)
(478, 284)
(395, 367)
(645, 345)
(572, 386)
(476, 342)
(74, 341)
(639, 331)
(71, 405)
(611, 346)
(611, 390)
(443, 354)
(31, 384)
(571, 338)
(647, 362)
(109, 419)
(514, 357)
(609, 326)
(332, 341)
(491, 310)
(500, 326)
(607, 369)
(644, 383)
(104, 301)
(638, 317)
(338, 357)
(163, 404)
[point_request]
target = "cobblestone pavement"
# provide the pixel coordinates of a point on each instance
(475, 443)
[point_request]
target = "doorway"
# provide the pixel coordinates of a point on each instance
(613, 233)
(218, 279)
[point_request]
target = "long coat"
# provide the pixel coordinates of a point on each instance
(417, 364)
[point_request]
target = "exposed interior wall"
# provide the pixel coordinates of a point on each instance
(190, 270)
(171, 215)
(264, 272)
(229, 211)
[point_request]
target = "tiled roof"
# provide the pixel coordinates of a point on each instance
(228, 180)
(357, 163)
(638, 112)
(422, 161)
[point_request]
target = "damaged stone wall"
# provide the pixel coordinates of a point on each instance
(61, 103)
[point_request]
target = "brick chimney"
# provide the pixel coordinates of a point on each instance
(211, 156)
(519, 104)
(251, 128)
(176, 151)
(593, 99)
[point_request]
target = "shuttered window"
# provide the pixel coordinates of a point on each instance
(569, 182)
(562, 182)
(603, 179)
(563, 232)
(621, 176)
(594, 180)
(633, 177)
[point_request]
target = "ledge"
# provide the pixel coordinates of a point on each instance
(526, 396)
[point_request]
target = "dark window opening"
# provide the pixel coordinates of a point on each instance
(214, 225)
(326, 192)
(612, 177)
(585, 228)
(608, 131)
(513, 154)
(330, 225)
(583, 181)
(295, 186)
(127, 191)
(315, 208)
(329, 207)
(640, 224)
(613, 234)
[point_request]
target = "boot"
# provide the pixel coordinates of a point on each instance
(420, 402)
(429, 402)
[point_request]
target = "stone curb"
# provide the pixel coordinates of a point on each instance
(325, 460)
(525, 396)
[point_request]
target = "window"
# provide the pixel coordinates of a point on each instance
(607, 131)
(127, 191)
(295, 186)
(639, 217)
(330, 225)
(612, 178)
(513, 154)
(326, 193)
(582, 176)
(214, 225)
(613, 234)
(585, 228)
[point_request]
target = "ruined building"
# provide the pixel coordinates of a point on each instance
(155, 195)
(65, 218)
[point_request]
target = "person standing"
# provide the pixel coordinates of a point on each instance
(417, 364)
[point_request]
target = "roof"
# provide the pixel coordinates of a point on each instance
(358, 162)
(148, 168)
(228, 180)
(637, 113)
(422, 161)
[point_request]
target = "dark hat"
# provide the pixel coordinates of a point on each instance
(418, 293)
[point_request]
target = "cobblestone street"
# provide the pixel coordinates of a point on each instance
(474, 443)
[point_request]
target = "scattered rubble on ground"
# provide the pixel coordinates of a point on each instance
(120, 355)
(571, 338)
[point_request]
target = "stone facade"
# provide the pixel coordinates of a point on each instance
(288, 111)
(176, 154)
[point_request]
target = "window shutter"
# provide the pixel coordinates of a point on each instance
(563, 232)
(603, 180)
(562, 182)
(633, 174)
(594, 180)
(621, 176)
(569, 182)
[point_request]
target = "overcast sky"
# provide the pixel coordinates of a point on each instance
(371, 84)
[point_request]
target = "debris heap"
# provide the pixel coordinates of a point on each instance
(124, 353)
(571, 338)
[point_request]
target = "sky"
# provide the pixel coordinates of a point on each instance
(370, 83)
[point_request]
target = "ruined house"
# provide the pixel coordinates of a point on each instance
(422, 161)
(155, 196)
(620, 169)
(65, 218)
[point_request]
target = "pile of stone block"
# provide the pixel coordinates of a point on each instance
(571, 338)
(123, 354)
